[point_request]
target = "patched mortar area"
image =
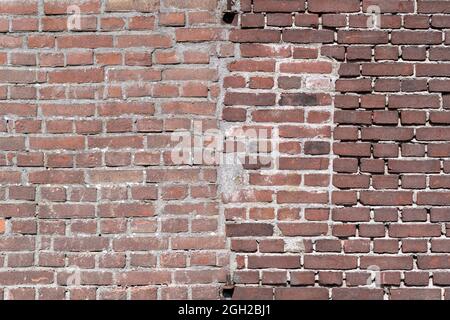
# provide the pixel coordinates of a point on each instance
(277, 211)
(373, 225)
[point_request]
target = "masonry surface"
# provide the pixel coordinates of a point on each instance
(353, 93)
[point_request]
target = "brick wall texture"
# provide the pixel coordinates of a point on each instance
(352, 201)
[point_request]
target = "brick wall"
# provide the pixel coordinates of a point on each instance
(350, 201)
(91, 204)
